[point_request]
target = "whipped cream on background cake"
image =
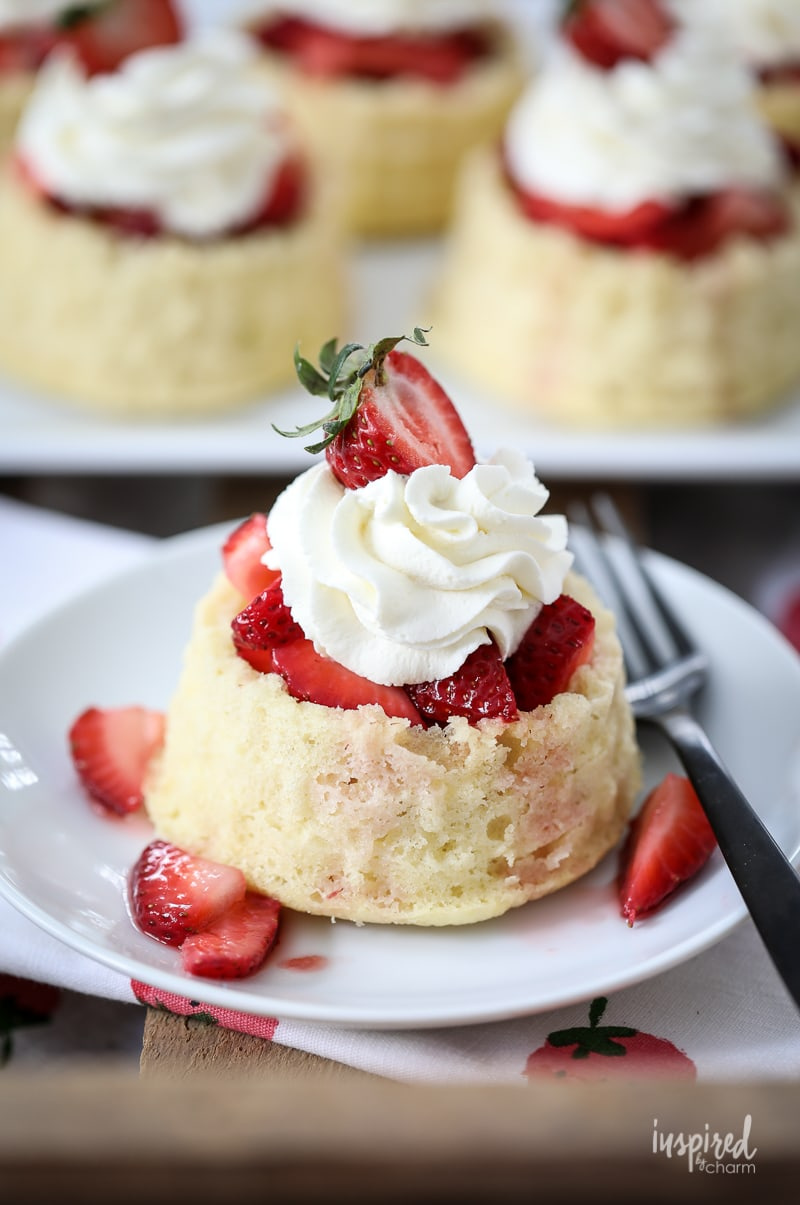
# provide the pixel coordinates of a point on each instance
(187, 132)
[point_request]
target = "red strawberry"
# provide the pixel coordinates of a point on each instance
(111, 750)
(608, 31)
(103, 37)
(669, 841)
(241, 557)
(320, 51)
(24, 49)
(557, 643)
(388, 413)
(236, 944)
(316, 679)
(705, 223)
(622, 229)
(479, 690)
(173, 893)
(600, 1052)
(284, 200)
(266, 621)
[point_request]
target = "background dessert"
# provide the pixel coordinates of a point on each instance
(163, 242)
(102, 34)
(630, 258)
(390, 94)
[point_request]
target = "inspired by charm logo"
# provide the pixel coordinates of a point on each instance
(708, 1151)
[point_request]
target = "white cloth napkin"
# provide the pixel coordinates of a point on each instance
(726, 1010)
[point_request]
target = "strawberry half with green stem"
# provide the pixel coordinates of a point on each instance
(111, 749)
(607, 31)
(388, 412)
(557, 643)
(669, 841)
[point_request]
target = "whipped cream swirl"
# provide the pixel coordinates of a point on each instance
(684, 124)
(193, 133)
(15, 14)
(766, 32)
(374, 18)
(400, 580)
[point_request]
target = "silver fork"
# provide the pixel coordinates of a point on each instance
(664, 671)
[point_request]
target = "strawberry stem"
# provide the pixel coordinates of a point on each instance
(340, 377)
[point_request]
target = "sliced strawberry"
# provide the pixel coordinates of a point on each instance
(479, 690)
(607, 31)
(107, 35)
(266, 622)
(669, 841)
(320, 51)
(388, 413)
(241, 557)
(313, 678)
(111, 750)
(236, 944)
(173, 893)
(285, 198)
(24, 50)
(626, 229)
(557, 643)
(705, 223)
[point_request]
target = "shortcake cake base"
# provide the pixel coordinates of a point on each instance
(161, 326)
(356, 815)
(15, 89)
(393, 148)
(599, 337)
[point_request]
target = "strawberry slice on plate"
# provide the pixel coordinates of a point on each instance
(607, 31)
(669, 841)
(557, 643)
(104, 36)
(111, 749)
(312, 678)
(236, 944)
(479, 690)
(174, 894)
(241, 557)
(388, 413)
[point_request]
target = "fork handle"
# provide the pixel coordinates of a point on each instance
(769, 884)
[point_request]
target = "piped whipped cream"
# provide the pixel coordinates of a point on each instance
(400, 580)
(766, 32)
(193, 133)
(684, 124)
(373, 18)
(15, 14)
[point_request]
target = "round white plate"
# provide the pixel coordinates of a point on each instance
(65, 867)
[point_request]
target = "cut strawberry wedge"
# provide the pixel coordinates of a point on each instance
(669, 841)
(321, 51)
(111, 750)
(174, 894)
(625, 229)
(705, 223)
(241, 557)
(266, 622)
(608, 31)
(313, 678)
(236, 944)
(479, 690)
(557, 643)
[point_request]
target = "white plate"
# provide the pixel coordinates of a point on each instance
(391, 285)
(65, 867)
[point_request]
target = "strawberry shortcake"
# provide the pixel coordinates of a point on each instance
(391, 94)
(101, 32)
(163, 241)
(398, 703)
(628, 256)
